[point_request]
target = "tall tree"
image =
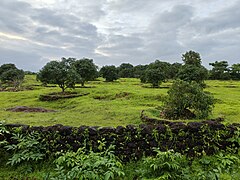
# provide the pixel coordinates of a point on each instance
(86, 69)
(192, 58)
(192, 70)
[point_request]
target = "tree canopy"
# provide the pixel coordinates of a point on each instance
(110, 73)
(186, 99)
(86, 69)
(62, 73)
(192, 70)
(11, 75)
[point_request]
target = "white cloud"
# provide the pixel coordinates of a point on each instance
(115, 31)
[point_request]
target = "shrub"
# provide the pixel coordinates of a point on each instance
(185, 100)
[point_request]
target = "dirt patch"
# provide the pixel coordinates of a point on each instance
(29, 109)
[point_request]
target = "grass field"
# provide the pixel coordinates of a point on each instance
(109, 103)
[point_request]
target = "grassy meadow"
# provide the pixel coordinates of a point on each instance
(109, 103)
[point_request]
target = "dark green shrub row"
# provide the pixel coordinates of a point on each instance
(133, 142)
(56, 96)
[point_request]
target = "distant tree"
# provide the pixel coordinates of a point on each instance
(125, 70)
(156, 73)
(138, 71)
(192, 58)
(62, 73)
(192, 70)
(235, 71)
(192, 73)
(174, 70)
(110, 73)
(86, 69)
(29, 73)
(6, 67)
(220, 70)
(11, 75)
(187, 100)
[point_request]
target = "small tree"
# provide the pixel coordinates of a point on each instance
(110, 73)
(62, 73)
(154, 76)
(156, 73)
(86, 69)
(11, 75)
(187, 100)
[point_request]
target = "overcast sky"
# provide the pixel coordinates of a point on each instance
(33, 32)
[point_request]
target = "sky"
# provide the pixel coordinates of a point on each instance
(111, 32)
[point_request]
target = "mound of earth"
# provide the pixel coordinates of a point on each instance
(60, 95)
(29, 109)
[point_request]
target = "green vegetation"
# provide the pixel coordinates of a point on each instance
(109, 103)
(10, 75)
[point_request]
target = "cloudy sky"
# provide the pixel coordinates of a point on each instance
(33, 32)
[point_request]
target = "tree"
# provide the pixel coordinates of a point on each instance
(192, 70)
(187, 100)
(62, 73)
(192, 58)
(174, 70)
(235, 71)
(125, 70)
(156, 73)
(11, 75)
(192, 73)
(6, 67)
(138, 71)
(110, 73)
(86, 69)
(220, 70)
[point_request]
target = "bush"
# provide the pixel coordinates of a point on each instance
(187, 100)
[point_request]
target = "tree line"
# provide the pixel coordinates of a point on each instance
(69, 71)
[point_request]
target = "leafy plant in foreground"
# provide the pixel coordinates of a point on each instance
(82, 165)
(27, 149)
(166, 165)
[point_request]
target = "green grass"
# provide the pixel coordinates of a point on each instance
(109, 103)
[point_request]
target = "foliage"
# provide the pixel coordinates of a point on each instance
(138, 71)
(235, 71)
(192, 58)
(110, 73)
(156, 73)
(86, 69)
(11, 75)
(166, 165)
(192, 73)
(28, 148)
(125, 70)
(174, 70)
(183, 97)
(82, 165)
(220, 70)
(61, 73)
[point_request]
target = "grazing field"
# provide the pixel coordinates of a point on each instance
(108, 103)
